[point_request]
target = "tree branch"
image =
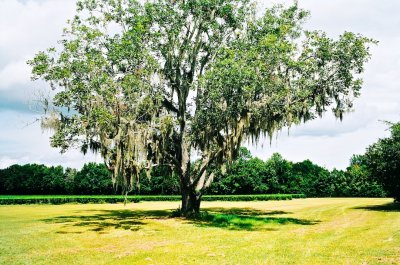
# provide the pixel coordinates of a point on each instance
(170, 106)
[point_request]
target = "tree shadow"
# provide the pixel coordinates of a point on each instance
(105, 219)
(246, 219)
(228, 218)
(389, 207)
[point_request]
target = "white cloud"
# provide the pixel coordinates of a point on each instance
(6, 162)
(29, 27)
(326, 151)
(22, 141)
(14, 73)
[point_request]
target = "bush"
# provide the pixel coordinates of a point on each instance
(7, 200)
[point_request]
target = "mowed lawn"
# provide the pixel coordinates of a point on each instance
(301, 231)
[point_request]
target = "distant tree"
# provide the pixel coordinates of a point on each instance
(383, 161)
(314, 180)
(13, 177)
(339, 184)
(357, 160)
(244, 153)
(162, 181)
(6, 184)
(69, 180)
(33, 179)
(359, 181)
(243, 177)
(279, 174)
(25, 179)
(54, 180)
(152, 82)
(93, 179)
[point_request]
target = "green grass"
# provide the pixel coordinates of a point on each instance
(61, 199)
(306, 231)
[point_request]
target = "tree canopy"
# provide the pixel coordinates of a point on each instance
(157, 82)
(383, 161)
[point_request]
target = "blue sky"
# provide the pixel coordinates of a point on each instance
(28, 26)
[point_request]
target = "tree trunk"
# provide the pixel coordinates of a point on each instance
(190, 202)
(190, 198)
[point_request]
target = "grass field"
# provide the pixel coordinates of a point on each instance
(301, 231)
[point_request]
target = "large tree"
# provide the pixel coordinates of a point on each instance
(159, 82)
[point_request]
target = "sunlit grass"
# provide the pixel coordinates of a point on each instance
(304, 231)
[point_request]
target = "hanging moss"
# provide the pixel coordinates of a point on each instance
(155, 82)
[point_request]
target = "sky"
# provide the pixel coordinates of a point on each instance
(29, 26)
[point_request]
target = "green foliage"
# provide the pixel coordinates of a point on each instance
(382, 159)
(362, 183)
(32, 179)
(40, 179)
(243, 177)
(277, 175)
(127, 71)
(93, 179)
(61, 199)
(161, 181)
(69, 179)
(312, 179)
(246, 175)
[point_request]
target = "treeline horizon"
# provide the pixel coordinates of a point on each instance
(246, 175)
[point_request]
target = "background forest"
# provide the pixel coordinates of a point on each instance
(246, 175)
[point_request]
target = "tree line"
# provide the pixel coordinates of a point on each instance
(278, 175)
(246, 175)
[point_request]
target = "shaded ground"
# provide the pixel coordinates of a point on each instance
(230, 218)
(246, 219)
(99, 221)
(389, 207)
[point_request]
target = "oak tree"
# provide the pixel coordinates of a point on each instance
(170, 82)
